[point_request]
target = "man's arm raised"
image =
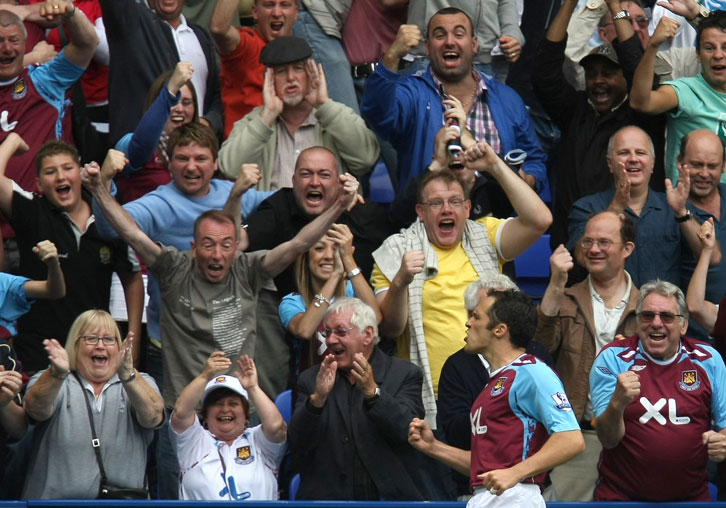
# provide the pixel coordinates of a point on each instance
(119, 218)
(642, 96)
(533, 216)
(281, 256)
(225, 35)
(13, 144)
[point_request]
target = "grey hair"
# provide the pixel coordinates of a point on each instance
(496, 280)
(362, 317)
(667, 289)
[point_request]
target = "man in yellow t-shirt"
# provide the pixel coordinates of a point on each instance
(421, 273)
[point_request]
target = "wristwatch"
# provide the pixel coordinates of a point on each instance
(684, 218)
(703, 13)
(355, 271)
(376, 395)
(621, 15)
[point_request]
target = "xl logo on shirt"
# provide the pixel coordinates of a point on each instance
(652, 411)
(476, 427)
(6, 127)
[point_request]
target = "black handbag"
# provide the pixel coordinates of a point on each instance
(107, 490)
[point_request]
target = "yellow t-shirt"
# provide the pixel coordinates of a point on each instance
(444, 313)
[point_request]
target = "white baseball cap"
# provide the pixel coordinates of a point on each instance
(229, 382)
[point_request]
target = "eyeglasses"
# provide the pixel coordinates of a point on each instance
(438, 204)
(340, 332)
(92, 340)
(587, 243)
(646, 316)
(642, 21)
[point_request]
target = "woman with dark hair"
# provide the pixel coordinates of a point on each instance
(170, 103)
(326, 271)
(220, 458)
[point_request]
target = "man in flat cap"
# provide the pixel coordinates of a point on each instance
(297, 113)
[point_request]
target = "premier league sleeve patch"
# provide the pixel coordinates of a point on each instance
(689, 381)
(561, 401)
(244, 455)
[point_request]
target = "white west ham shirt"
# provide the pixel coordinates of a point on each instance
(212, 470)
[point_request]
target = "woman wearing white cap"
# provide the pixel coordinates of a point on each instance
(220, 458)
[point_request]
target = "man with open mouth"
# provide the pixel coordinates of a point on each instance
(409, 110)
(664, 225)
(239, 50)
(653, 388)
(297, 113)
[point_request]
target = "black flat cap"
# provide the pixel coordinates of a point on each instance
(284, 50)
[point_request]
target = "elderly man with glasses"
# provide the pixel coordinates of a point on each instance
(660, 406)
(349, 432)
(575, 323)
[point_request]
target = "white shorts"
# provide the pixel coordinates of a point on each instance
(520, 496)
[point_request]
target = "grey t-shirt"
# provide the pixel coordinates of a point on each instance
(199, 317)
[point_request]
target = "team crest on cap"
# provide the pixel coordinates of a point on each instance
(498, 387)
(220, 379)
(689, 381)
(244, 455)
(19, 89)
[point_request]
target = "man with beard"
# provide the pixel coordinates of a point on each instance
(409, 110)
(297, 113)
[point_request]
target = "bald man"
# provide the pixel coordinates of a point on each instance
(702, 156)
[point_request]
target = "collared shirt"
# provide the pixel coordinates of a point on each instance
(189, 49)
(289, 146)
(606, 323)
(479, 121)
(607, 318)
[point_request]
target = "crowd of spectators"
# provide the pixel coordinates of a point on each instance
(189, 232)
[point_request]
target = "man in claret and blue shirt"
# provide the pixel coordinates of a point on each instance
(522, 423)
(657, 397)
